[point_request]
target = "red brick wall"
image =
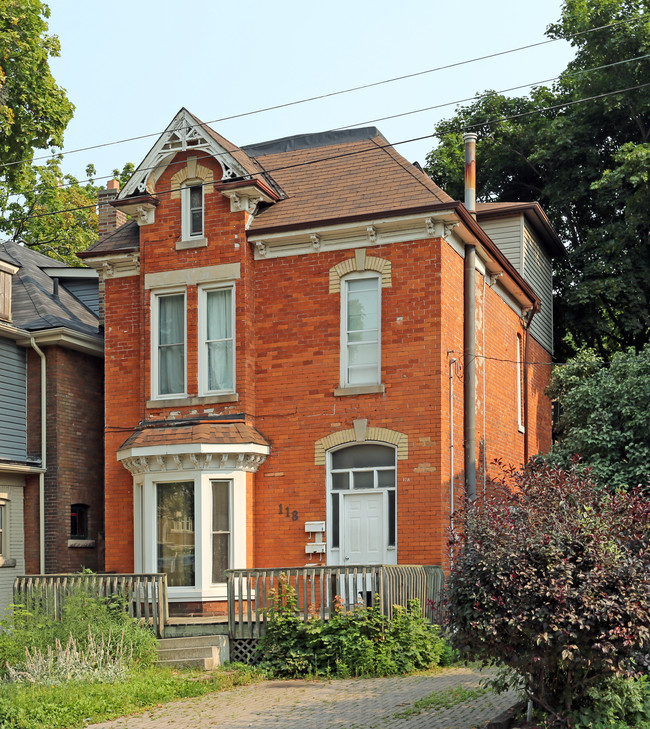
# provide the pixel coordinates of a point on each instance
(75, 458)
(288, 350)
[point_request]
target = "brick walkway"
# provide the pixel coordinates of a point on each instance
(342, 704)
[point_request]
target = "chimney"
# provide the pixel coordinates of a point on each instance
(470, 172)
(110, 218)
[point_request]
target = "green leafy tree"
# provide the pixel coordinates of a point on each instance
(605, 419)
(550, 579)
(34, 111)
(587, 163)
(57, 213)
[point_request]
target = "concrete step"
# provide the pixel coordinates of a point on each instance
(194, 641)
(207, 664)
(201, 651)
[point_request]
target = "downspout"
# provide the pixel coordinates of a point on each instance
(452, 479)
(469, 325)
(533, 311)
(41, 476)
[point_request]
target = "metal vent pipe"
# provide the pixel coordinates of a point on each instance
(469, 325)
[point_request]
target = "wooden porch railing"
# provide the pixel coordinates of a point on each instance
(144, 595)
(250, 592)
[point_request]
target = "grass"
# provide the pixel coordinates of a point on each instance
(441, 700)
(78, 704)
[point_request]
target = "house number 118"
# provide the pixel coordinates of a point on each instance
(293, 515)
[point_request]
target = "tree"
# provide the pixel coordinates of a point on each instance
(550, 578)
(57, 214)
(34, 111)
(587, 163)
(605, 419)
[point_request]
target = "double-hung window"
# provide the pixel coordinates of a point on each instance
(361, 330)
(192, 211)
(217, 340)
(168, 327)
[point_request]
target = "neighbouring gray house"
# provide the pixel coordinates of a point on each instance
(51, 417)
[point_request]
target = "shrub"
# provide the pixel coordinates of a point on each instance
(37, 631)
(550, 577)
(362, 642)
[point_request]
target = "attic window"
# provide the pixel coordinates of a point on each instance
(192, 205)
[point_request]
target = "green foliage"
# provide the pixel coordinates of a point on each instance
(618, 703)
(550, 578)
(586, 163)
(73, 704)
(362, 642)
(34, 111)
(605, 418)
(35, 630)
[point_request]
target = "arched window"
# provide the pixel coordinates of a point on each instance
(362, 483)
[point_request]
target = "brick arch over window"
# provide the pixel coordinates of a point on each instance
(360, 262)
(192, 171)
(360, 434)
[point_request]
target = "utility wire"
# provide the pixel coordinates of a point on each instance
(487, 94)
(331, 93)
(427, 108)
(379, 146)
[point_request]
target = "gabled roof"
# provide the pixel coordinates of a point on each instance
(35, 305)
(186, 133)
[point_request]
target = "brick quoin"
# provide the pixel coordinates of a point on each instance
(288, 368)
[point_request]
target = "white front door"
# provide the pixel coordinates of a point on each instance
(364, 528)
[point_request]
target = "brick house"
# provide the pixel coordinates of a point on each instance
(290, 374)
(51, 403)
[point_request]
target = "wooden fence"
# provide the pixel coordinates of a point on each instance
(319, 589)
(144, 595)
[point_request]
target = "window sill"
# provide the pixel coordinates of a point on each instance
(183, 245)
(7, 562)
(359, 390)
(81, 543)
(187, 401)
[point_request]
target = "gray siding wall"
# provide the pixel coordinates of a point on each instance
(538, 272)
(86, 291)
(13, 401)
(508, 234)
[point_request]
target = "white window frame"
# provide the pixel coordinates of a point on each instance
(214, 531)
(202, 337)
(344, 330)
(146, 528)
(4, 512)
(156, 296)
(186, 218)
(334, 553)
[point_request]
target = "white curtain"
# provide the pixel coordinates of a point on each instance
(171, 344)
(219, 340)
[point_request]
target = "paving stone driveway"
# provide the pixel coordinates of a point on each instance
(343, 704)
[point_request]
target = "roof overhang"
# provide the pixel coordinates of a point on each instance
(64, 337)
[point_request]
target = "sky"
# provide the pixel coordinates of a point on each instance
(128, 66)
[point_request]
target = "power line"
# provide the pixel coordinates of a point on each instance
(380, 146)
(493, 93)
(430, 108)
(331, 93)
